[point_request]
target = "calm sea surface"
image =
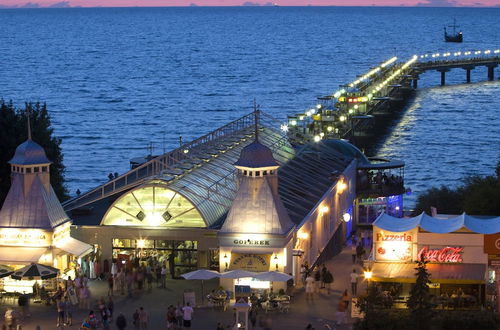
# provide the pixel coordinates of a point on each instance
(116, 80)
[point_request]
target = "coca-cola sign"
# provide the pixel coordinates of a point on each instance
(449, 254)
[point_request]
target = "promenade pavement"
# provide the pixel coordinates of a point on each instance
(319, 311)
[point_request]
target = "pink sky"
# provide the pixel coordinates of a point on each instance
(164, 3)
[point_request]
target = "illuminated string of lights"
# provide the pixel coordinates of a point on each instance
(367, 75)
(393, 75)
(466, 53)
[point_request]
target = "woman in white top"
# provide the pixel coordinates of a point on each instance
(309, 286)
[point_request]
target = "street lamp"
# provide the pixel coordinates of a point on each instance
(276, 261)
(225, 260)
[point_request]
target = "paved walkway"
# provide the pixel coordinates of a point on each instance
(320, 311)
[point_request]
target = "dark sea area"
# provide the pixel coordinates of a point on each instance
(117, 79)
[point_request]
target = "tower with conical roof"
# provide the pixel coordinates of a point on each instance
(257, 208)
(31, 201)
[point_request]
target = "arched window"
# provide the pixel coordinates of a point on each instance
(153, 205)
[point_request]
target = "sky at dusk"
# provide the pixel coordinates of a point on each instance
(165, 3)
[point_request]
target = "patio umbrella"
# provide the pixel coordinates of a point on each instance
(5, 271)
(35, 271)
(201, 274)
(273, 276)
(237, 273)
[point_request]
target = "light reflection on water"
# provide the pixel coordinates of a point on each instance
(447, 133)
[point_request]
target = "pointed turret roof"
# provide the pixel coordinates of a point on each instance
(29, 153)
(36, 208)
(257, 210)
(256, 155)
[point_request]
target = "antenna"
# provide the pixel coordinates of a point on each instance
(150, 148)
(256, 113)
(28, 117)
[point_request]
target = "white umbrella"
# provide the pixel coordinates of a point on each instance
(273, 276)
(237, 273)
(201, 274)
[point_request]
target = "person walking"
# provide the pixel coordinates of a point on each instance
(111, 282)
(354, 282)
(187, 315)
(171, 321)
(10, 318)
(163, 276)
(68, 311)
(111, 307)
(60, 312)
(324, 270)
(178, 316)
(353, 252)
(345, 298)
(143, 319)
(121, 322)
(341, 313)
(309, 287)
(135, 318)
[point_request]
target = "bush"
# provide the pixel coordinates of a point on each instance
(442, 320)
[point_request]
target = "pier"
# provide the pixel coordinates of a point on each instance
(367, 104)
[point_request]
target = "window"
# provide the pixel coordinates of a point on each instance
(244, 172)
(157, 205)
(28, 170)
(257, 173)
(36, 169)
(264, 173)
(44, 168)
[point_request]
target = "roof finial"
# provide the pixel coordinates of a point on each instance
(28, 117)
(256, 113)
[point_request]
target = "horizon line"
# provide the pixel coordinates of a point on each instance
(243, 5)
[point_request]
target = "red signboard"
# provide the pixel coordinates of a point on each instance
(447, 254)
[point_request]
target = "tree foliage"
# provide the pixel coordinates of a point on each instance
(477, 195)
(14, 131)
(419, 302)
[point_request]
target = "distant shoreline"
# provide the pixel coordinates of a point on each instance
(36, 6)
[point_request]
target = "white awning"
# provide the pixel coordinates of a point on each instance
(20, 255)
(74, 246)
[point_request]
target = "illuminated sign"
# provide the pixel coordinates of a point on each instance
(394, 246)
(61, 233)
(445, 255)
(251, 242)
(383, 237)
(250, 262)
(25, 237)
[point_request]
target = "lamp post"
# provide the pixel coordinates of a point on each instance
(368, 275)
(225, 260)
(276, 261)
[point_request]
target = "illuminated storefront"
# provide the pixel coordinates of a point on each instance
(453, 247)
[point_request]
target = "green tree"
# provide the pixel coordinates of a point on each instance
(446, 200)
(482, 195)
(419, 302)
(478, 196)
(14, 131)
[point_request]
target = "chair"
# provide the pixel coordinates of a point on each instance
(284, 306)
